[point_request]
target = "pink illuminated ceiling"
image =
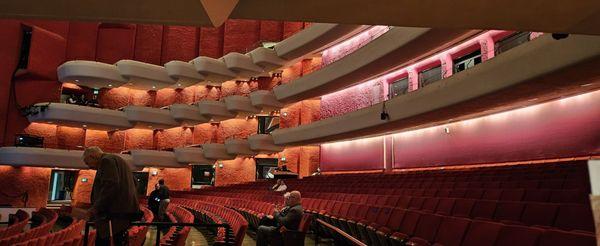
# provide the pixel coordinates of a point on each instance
(568, 127)
(350, 45)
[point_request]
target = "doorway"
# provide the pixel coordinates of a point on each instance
(141, 183)
(62, 183)
(264, 166)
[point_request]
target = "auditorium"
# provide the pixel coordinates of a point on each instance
(280, 122)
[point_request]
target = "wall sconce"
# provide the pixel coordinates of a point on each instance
(283, 159)
(84, 180)
(154, 172)
(284, 114)
(220, 164)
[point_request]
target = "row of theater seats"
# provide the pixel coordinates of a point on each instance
(19, 220)
(210, 213)
(46, 219)
(69, 236)
(137, 234)
(549, 200)
(177, 235)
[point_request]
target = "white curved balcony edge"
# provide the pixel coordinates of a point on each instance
(242, 65)
(155, 158)
(216, 152)
(397, 47)
(192, 155)
(521, 64)
(240, 105)
(184, 73)
(267, 59)
(91, 74)
(265, 100)
(42, 157)
(214, 70)
(81, 116)
(187, 115)
(215, 110)
(149, 118)
(310, 40)
(239, 147)
(263, 143)
(144, 76)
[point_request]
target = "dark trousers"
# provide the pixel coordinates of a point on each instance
(267, 234)
(119, 239)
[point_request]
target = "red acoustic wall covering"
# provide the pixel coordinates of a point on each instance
(235, 171)
(179, 43)
(10, 41)
(177, 179)
(147, 40)
(351, 99)
(17, 180)
(115, 42)
(211, 41)
(271, 30)
(113, 142)
(241, 36)
(361, 154)
(174, 137)
(83, 190)
(289, 28)
(82, 39)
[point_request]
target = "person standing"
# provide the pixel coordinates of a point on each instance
(114, 201)
(163, 195)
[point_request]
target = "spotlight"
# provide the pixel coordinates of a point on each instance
(559, 36)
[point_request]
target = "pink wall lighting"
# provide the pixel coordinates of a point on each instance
(361, 154)
(352, 44)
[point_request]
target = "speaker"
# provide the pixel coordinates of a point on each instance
(25, 140)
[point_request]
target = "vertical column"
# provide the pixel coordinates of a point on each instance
(446, 65)
(413, 79)
(487, 47)
(594, 170)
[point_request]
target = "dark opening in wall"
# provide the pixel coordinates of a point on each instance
(467, 61)
(511, 41)
(398, 87)
(267, 124)
(25, 47)
(429, 76)
(203, 175)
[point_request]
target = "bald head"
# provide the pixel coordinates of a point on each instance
(292, 198)
(91, 156)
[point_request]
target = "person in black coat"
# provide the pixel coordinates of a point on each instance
(154, 201)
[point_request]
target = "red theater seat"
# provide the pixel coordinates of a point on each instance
(542, 214)
(482, 233)
(514, 235)
(575, 217)
(451, 231)
(558, 237)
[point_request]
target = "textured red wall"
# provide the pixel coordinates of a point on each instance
(147, 39)
(241, 36)
(235, 171)
(115, 42)
(16, 180)
(83, 190)
(361, 154)
(352, 99)
(177, 179)
(179, 43)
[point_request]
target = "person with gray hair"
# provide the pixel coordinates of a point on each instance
(287, 218)
(114, 198)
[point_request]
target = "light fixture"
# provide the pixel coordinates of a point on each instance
(447, 130)
(284, 114)
(109, 85)
(178, 84)
(130, 83)
(384, 115)
(154, 172)
(150, 127)
(153, 87)
(283, 159)
(220, 164)
(84, 180)
(533, 99)
(84, 126)
(76, 80)
(586, 85)
(50, 122)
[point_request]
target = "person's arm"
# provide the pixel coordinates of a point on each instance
(109, 185)
(292, 217)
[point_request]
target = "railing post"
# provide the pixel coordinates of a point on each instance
(86, 233)
(158, 227)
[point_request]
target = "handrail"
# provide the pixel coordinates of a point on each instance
(343, 233)
(162, 224)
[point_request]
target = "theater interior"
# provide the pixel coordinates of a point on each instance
(458, 123)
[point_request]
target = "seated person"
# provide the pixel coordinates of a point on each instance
(279, 186)
(288, 218)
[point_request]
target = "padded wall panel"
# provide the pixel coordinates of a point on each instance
(563, 128)
(179, 43)
(271, 30)
(46, 53)
(10, 41)
(110, 51)
(81, 41)
(289, 28)
(60, 28)
(148, 40)
(240, 35)
(362, 154)
(211, 41)
(351, 99)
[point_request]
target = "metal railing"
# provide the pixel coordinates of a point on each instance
(228, 240)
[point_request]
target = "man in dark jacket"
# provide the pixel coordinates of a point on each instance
(287, 218)
(164, 200)
(114, 197)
